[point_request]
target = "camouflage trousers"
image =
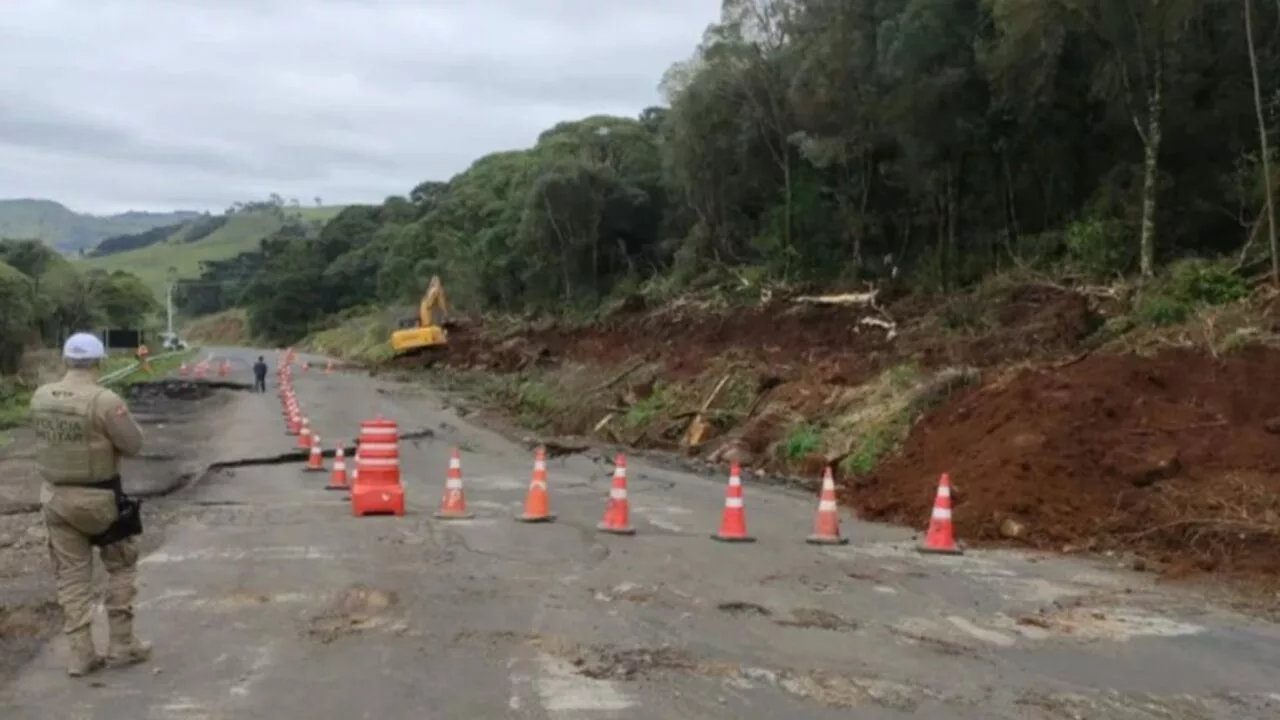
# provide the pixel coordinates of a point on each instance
(72, 515)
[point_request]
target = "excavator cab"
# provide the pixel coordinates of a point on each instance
(424, 333)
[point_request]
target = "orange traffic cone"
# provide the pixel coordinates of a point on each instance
(328, 367)
(617, 513)
(733, 523)
(537, 504)
(338, 480)
(453, 506)
(826, 524)
(940, 538)
(315, 461)
(183, 370)
(304, 435)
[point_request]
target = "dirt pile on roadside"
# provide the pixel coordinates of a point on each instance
(826, 344)
(1174, 457)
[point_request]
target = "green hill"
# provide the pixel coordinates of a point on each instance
(240, 232)
(70, 232)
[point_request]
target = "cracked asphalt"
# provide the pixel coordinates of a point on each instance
(267, 599)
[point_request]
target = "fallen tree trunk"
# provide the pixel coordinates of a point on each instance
(865, 298)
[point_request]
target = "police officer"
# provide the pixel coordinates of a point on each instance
(83, 429)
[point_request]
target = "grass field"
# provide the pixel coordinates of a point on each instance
(241, 233)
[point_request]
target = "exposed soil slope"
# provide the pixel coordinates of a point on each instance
(815, 343)
(1172, 456)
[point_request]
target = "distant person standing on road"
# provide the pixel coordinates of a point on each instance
(82, 430)
(260, 375)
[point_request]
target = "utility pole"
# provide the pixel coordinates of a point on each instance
(173, 273)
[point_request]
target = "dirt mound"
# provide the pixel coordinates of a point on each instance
(1014, 323)
(811, 342)
(1173, 457)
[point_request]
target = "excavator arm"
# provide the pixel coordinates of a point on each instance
(433, 298)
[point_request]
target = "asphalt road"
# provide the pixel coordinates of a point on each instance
(269, 600)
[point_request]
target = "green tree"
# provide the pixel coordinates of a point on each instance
(121, 299)
(16, 293)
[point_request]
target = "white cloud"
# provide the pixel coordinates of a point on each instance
(161, 104)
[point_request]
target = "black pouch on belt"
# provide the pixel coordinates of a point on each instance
(128, 515)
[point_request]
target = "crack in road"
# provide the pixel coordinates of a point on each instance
(191, 479)
(187, 480)
(300, 455)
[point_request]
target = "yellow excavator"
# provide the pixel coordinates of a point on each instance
(424, 333)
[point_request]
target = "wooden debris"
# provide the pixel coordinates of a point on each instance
(890, 328)
(866, 298)
(698, 427)
(618, 378)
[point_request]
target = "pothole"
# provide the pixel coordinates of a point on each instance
(842, 691)
(744, 608)
(606, 662)
(818, 619)
(354, 610)
(610, 663)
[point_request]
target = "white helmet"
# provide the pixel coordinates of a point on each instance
(83, 346)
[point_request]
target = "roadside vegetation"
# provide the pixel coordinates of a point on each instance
(161, 365)
(45, 298)
(46, 365)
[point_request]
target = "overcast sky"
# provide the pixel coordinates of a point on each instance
(110, 105)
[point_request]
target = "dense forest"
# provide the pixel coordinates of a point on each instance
(928, 143)
(45, 298)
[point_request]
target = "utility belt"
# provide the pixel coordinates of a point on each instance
(128, 514)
